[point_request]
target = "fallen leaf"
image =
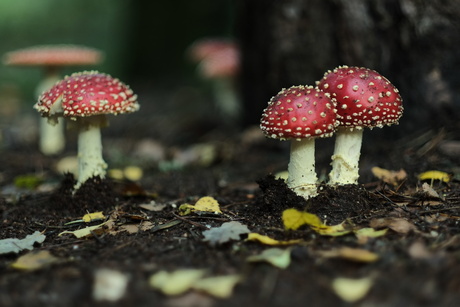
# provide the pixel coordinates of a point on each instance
(34, 261)
(84, 232)
(429, 191)
(115, 173)
(109, 285)
(364, 234)
(91, 217)
(193, 299)
(390, 177)
(14, 245)
(280, 258)
(176, 282)
(182, 280)
(30, 181)
(269, 241)
(226, 232)
(293, 219)
(133, 173)
(419, 250)
(435, 175)
(153, 206)
(218, 286)
(352, 254)
(135, 228)
(204, 204)
(352, 290)
(399, 225)
(282, 175)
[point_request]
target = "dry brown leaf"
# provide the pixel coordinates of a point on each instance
(419, 250)
(429, 191)
(135, 228)
(153, 206)
(396, 224)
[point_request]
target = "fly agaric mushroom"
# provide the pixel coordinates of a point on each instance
(300, 113)
(52, 58)
(364, 99)
(219, 61)
(86, 98)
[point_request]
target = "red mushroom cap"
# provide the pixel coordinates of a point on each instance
(224, 63)
(88, 93)
(217, 57)
(364, 97)
(206, 47)
(299, 112)
(57, 55)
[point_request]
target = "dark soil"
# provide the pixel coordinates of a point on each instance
(416, 267)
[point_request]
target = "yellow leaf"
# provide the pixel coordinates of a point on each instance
(364, 234)
(353, 254)
(204, 204)
(352, 290)
(176, 282)
(282, 175)
(334, 230)
(434, 175)
(80, 233)
(185, 209)
(34, 261)
(90, 217)
(133, 173)
(115, 173)
(293, 219)
(269, 241)
(280, 258)
(218, 286)
(208, 204)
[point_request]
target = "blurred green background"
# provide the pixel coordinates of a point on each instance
(143, 41)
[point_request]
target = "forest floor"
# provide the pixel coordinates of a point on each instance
(397, 243)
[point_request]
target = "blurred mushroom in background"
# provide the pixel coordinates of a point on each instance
(52, 58)
(219, 62)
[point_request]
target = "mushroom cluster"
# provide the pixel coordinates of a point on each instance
(86, 98)
(346, 99)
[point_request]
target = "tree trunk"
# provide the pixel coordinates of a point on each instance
(414, 43)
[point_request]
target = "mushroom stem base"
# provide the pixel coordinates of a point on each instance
(302, 175)
(90, 161)
(345, 161)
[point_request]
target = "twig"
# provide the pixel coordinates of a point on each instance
(190, 222)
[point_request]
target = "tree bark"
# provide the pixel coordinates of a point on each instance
(414, 43)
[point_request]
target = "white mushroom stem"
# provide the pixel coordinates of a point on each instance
(302, 175)
(90, 161)
(227, 101)
(52, 140)
(345, 161)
